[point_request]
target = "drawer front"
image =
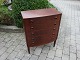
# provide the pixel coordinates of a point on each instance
(42, 23)
(43, 37)
(44, 30)
(50, 22)
(40, 40)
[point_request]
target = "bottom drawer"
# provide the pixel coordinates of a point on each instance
(41, 40)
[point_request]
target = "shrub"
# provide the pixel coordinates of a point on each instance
(5, 19)
(22, 5)
(5, 15)
(1, 1)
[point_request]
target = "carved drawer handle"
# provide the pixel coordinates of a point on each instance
(32, 33)
(55, 17)
(53, 34)
(32, 27)
(32, 38)
(54, 28)
(54, 23)
(31, 20)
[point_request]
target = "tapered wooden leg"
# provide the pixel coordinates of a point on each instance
(29, 50)
(54, 43)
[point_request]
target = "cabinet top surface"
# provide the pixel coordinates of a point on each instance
(39, 13)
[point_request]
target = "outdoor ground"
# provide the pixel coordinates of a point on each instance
(13, 45)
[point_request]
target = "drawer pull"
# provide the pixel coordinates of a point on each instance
(53, 34)
(32, 33)
(54, 28)
(32, 38)
(54, 23)
(55, 17)
(31, 20)
(32, 27)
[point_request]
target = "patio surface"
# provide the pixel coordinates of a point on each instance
(13, 45)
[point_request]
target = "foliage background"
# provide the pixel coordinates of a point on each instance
(5, 15)
(22, 5)
(14, 17)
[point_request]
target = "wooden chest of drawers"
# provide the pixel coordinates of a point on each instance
(41, 26)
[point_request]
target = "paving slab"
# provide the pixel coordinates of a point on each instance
(13, 45)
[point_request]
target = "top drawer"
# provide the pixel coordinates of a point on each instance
(44, 22)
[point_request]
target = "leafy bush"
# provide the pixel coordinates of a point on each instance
(22, 5)
(5, 15)
(1, 1)
(5, 19)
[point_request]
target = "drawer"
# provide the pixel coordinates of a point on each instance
(49, 31)
(45, 23)
(41, 32)
(43, 39)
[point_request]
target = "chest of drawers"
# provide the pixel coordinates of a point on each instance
(41, 26)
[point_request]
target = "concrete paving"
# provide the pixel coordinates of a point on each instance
(13, 45)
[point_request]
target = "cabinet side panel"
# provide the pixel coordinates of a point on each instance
(27, 32)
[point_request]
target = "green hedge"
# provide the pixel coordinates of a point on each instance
(5, 16)
(22, 5)
(1, 1)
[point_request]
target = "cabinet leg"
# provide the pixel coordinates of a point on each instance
(54, 43)
(29, 50)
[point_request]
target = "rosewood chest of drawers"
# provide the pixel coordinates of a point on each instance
(41, 26)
